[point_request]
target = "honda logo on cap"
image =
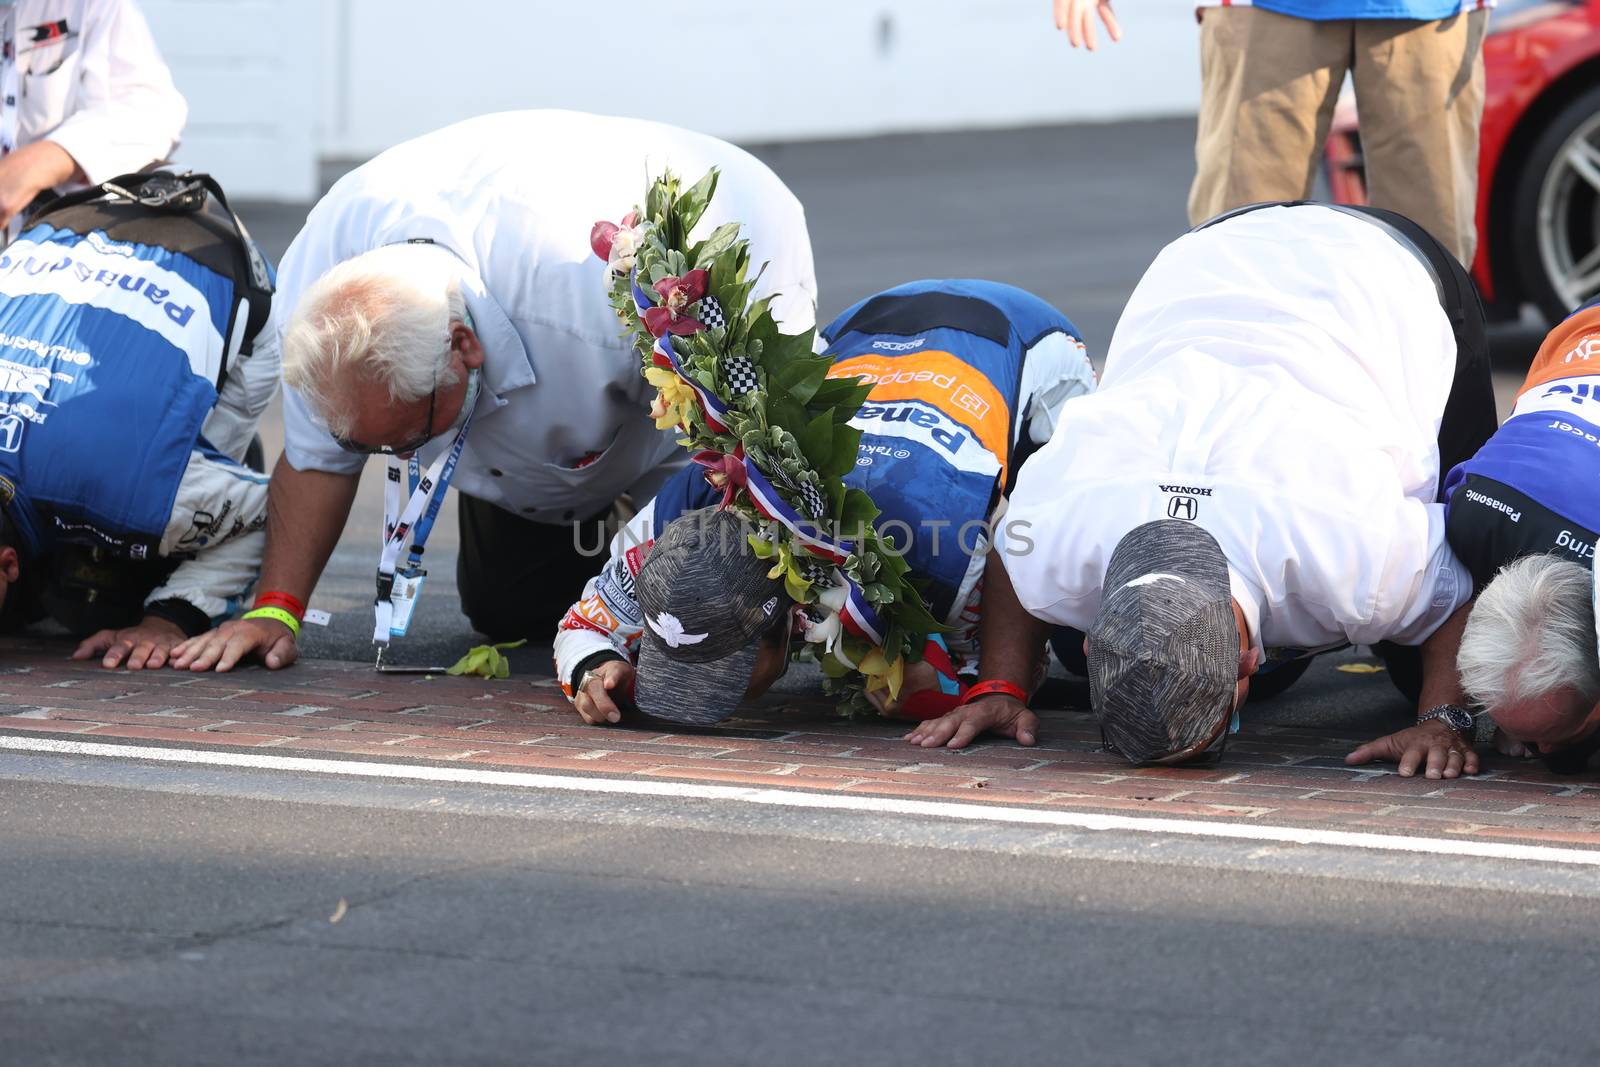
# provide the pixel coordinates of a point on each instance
(1183, 507)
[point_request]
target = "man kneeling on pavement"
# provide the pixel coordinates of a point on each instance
(138, 356)
(966, 378)
(446, 316)
(1258, 471)
(1523, 520)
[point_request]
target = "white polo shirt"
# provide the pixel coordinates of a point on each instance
(562, 427)
(1277, 379)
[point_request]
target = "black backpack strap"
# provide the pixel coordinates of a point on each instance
(169, 191)
(261, 287)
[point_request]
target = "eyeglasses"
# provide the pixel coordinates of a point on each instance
(405, 447)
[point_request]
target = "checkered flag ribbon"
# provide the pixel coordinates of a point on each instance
(817, 573)
(711, 312)
(812, 501)
(740, 374)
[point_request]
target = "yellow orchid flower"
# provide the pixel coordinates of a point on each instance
(794, 583)
(880, 673)
(674, 399)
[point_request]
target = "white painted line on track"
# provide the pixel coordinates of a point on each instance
(939, 809)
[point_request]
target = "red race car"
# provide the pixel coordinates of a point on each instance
(1539, 159)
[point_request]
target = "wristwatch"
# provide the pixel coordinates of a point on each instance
(1456, 717)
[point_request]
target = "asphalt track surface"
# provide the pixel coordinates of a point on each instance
(156, 913)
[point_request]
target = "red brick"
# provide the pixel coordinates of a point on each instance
(257, 729)
(114, 714)
(333, 743)
(749, 778)
(623, 762)
(940, 792)
(1311, 812)
(1586, 838)
(534, 759)
(183, 737)
(47, 726)
(806, 772)
(1168, 809)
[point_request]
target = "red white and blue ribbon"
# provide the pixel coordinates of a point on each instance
(858, 616)
(641, 299)
(715, 411)
(767, 501)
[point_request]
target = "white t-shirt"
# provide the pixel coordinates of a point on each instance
(1277, 379)
(561, 427)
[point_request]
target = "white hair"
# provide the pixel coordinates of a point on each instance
(379, 320)
(1531, 634)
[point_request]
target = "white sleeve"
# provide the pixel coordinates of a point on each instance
(792, 276)
(307, 444)
(129, 113)
(606, 617)
(1424, 597)
(218, 528)
(252, 382)
(1055, 370)
(1054, 536)
(966, 615)
(780, 244)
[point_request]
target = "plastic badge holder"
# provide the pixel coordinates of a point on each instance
(407, 590)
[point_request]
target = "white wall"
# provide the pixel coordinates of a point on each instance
(276, 84)
(250, 70)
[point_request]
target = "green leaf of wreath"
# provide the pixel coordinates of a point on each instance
(858, 511)
(842, 458)
(721, 241)
(816, 442)
(799, 379)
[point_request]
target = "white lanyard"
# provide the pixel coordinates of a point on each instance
(429, 493)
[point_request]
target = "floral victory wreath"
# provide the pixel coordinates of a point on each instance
(770, 427)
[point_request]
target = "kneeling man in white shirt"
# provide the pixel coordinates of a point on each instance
(1257, 477)
(447, 307)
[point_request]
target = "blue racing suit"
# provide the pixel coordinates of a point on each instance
(135, 362)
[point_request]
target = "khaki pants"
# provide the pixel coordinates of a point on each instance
(1269, 83)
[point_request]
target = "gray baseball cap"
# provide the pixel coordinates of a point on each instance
(707, 603)
(1164, 649)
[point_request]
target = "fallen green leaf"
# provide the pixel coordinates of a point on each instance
(485, 661)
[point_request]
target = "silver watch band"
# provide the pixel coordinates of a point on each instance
(1458, 718)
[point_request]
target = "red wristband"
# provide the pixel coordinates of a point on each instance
(992, 687)
(286, 601)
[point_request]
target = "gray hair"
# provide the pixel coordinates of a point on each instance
(379, 320)
(1530, 634)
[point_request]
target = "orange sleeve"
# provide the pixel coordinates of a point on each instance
(1572, 348)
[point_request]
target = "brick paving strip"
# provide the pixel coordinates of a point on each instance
(1276, 775)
